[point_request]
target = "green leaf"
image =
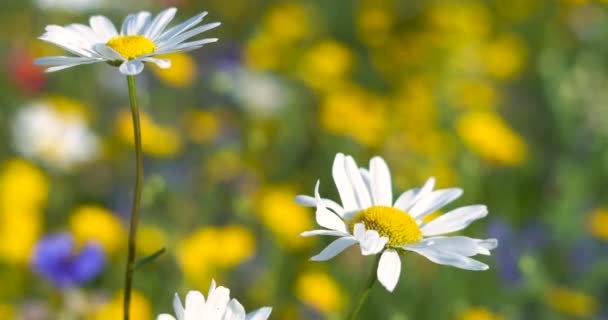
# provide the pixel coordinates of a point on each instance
(148, 259)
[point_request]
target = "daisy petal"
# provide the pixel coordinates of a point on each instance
(370, 241)
(159, 23)
(260, 314)
(454, 220)
(449, 258)
(179, 308)
(326, 218)
(309, 201)
(165, 316)
(460, 245)
(349, 202)
(433, 201)
(406, 199)
(234, 311)
(195, 303)
(361, 191)
(382, 192)
(161, 63)
(181, 27)
(62, 60)
(334, 248)
(323, 232)
(389, 269)
(171, 42)
(107, 52)
(217, 302)
(131, 67)
(103, 27)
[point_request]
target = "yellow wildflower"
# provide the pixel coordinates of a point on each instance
(95, 223)
(22, 186)
(504, 57)
(326, 64)
(183, 70)
(199, 252)
(150, 239)
(202, 126)
(319, 290)
(287, 23)
(466, 20)
(157, 140)
(486, 134)
(263, 53)
(355, 113)
(19, 231)
(285, 219)
(140, 308)
(6, 312)
(23, 195)
(474, 94)
(478, 313)
(598, 223)
(374, 23)
(571, 302)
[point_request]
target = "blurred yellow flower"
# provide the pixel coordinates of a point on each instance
(287, 22)
(263, 53)
(283, 26)
(570, 302)
(597, 224)
(504, 57)
(202, 126)
(212, 248)
(320, 291)
(486, 134)
(95, 223)
(183, 70)
(6, 312)
(467, 20)
(326, 64)
(415, 101)
(285, 219)
(150, 239)
(23, 195)
(355, 113)
(374, 23)
(478, 313)
(19, 231)
(140, 308)
(157, 140)
(473, 94)
(22, 186)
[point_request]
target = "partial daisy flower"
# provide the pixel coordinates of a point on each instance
(218, 306)
(140, 38)
(369, 217)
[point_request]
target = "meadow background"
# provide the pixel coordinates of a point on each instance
(507, 99)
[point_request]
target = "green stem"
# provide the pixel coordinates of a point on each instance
(354, 313)
(139, 178)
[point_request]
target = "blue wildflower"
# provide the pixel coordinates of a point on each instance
(55, 258)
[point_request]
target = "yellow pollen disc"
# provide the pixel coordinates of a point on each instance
(132, 47)
(398, 226)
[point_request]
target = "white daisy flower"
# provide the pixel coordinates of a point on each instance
(218, 306)
(369, 217)
(140, 38)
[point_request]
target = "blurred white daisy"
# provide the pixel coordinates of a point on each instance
(54, 133)
(218, 306)
(369, 217)
(140, 38)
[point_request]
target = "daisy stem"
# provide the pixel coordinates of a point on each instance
(354, 313)
(139, 178)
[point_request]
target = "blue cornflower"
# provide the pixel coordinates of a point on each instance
(56, 259)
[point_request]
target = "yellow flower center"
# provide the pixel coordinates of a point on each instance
(398, 226)
(132, 47)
